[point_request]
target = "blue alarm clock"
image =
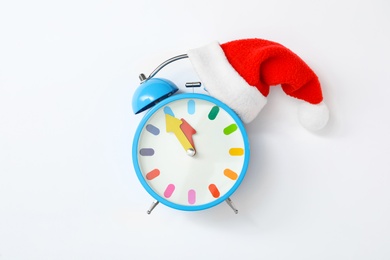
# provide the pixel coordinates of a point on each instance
(190, 151)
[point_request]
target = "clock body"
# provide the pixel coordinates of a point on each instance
(200, 180)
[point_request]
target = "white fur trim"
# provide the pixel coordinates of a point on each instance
(223, 82)
(313, 117)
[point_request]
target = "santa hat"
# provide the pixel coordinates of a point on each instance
(239, 73)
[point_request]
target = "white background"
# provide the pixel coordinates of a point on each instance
(68, 190)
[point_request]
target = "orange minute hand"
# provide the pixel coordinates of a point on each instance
(188, 131)
(173, 125)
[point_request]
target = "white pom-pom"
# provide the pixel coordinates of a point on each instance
(313, 117)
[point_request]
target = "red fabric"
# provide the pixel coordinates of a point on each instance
(264, 63)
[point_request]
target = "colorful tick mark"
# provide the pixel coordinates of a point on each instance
(152, 174)
(168, 110)
(146, 152)
(236, 151)
(191, 107)
(213, 112)
(230, 174)
(152, 129)
(214, 191)
(230, 129)
(191, 197)
(169, 190)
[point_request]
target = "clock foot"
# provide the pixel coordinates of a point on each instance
(154, 204)
(230, 203)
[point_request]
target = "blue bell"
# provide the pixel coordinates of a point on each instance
(150, 92)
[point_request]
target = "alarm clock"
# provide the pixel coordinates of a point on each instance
(190, 151)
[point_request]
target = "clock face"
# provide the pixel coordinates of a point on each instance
(190, 152)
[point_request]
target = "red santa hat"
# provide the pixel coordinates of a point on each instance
(240, 73)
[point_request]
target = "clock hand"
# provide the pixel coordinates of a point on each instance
(173, 126)
(188, 131)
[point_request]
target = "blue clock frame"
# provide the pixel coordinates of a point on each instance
(135, 151)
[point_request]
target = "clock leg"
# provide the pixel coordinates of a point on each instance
(230, 203)
(154, 204)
